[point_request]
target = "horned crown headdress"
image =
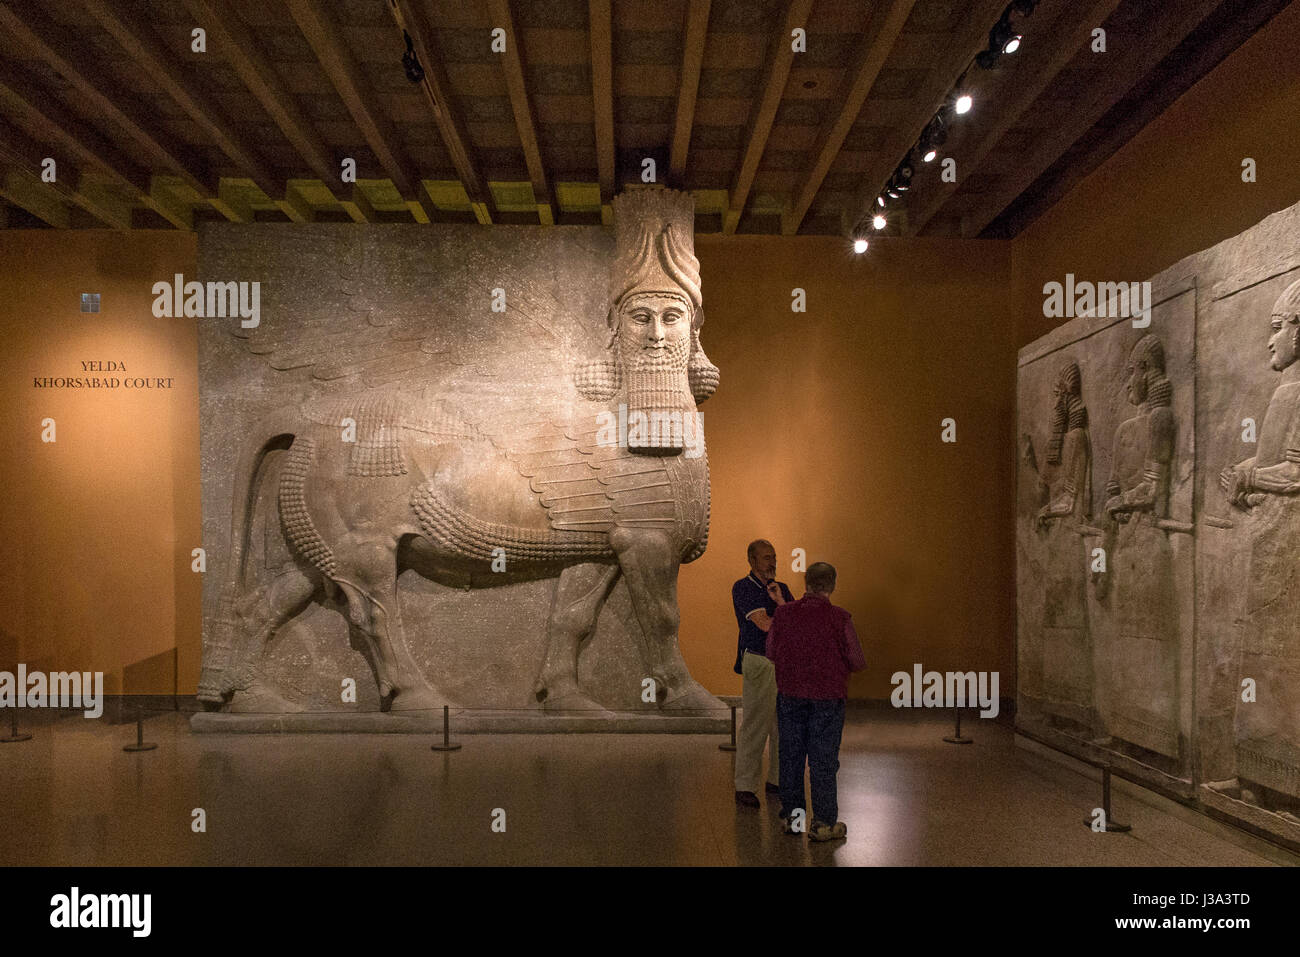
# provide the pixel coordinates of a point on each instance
(654, 251)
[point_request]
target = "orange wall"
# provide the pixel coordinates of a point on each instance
(98, 525)
(825, 435)
(1176, 187)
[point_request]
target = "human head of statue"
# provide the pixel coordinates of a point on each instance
(1147, 383)
(656, 308)
(1069, 412)
(1284, 344)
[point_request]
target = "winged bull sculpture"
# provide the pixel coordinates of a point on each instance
(431, 485)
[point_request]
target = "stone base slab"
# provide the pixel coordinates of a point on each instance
(463, 722)
(1220, 797)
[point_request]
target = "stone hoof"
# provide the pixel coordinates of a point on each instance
(260, 696)
(418, 699)
(692, 697)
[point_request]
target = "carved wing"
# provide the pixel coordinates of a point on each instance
(583, 484)
(351, 311)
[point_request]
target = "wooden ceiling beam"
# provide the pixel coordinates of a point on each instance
(240, 48)
(695, 32)
(601, 18)
(25, 190)
(48, 41)
(54, 124)
(322, 34)
(148, 52)
(1159, 38)
(1038, 63)
(416, 18)
(949, 64)
(512, 65)
(878, 41)
(779, 58)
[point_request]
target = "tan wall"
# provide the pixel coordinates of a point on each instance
(98, 525)
(1176, 187)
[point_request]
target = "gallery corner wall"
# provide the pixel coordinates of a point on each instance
(99, 524)
(1176, 188)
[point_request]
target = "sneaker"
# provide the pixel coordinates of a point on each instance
(747, 799)
(828, 832)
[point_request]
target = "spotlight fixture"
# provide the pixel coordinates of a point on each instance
(880, 201)
(929, 156)
(411, 62)
(1003, 35)
(892, 192)
(859, 246)
(905, 168)
(878, 221)
(963, 104)
(936, 134)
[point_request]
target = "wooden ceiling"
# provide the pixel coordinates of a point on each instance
(147, 133)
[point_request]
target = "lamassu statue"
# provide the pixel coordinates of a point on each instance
(473, 498)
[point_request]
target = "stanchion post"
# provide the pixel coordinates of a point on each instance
(446, 733)
(731, 745)
(1112, 826)
(140, 743)
(14, 737)
(956, 737)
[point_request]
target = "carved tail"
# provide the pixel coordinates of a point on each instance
(218, 676)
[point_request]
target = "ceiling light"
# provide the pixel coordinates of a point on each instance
(929, 156)
(859, 246)
(878, 221)
(880, 201)
(963, 104)
(1013, 44)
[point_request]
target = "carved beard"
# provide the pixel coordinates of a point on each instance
(657, 382)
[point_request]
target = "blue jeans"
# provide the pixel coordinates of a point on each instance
(810, 729)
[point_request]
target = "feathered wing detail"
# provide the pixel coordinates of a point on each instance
(583, 483)
(351, 312)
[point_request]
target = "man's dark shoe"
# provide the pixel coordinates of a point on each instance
(747, 799)
(771, 788)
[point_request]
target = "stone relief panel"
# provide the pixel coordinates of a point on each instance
(455, 465)
(1194, 428)
(1105, 597)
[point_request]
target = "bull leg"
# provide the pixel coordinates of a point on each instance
(579, 595)
(649, 560)
(256, 619)
(370, 584)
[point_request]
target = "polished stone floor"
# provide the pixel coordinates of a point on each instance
(71, 796)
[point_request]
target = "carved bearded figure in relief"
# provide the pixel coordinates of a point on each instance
(1144, 667)
(611, 483)
(1267, 730)
(1066, 484)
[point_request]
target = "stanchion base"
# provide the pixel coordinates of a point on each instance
(1112, 827)
(958, 740)
(445, 747)
(726, 747)
(140, 747)
(14, 738)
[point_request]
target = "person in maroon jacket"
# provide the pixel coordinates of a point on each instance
(814, 648)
